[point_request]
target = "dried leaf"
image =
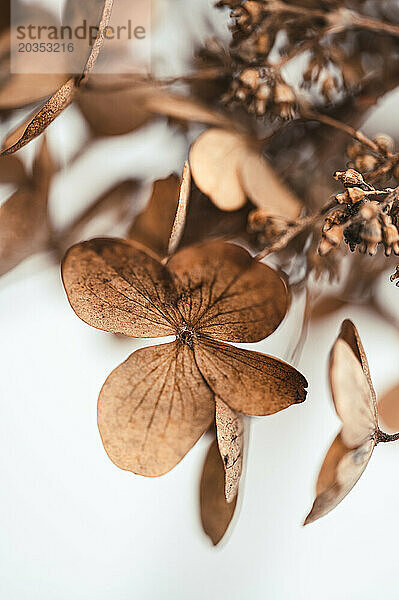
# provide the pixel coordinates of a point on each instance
(12, 170)
(388, 408)
(249, 382)
(266, 189)
(225, 293)
(46, 115)
(23, 217)
(215, 161)
(152, 227)
(227, 169)
(203, 220)
(22, 89)
(352, 396)
(184, 109)
(216, 513)
(115, 286)
(341, 469)
(230, 434)
(111, 111)
(181, 211)
(326, 306)
(153, 408)
(351, 336)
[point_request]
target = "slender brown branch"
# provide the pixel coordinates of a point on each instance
(294, 230)
(312, 115)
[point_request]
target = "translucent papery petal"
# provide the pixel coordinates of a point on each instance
(153, 408)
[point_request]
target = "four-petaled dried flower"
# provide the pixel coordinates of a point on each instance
(355, 402)
(154, 407)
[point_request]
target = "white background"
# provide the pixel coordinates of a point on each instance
(73, 526)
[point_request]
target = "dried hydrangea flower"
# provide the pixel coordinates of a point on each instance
(355, 402)
(154, 407)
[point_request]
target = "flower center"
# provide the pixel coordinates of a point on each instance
(186, 336)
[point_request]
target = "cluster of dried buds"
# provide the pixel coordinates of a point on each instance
(261, 89)
(365, 160)
(364, 217)
(267, 228)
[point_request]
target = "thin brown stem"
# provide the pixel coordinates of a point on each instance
(386, 437)
(99, 41)
(312, 115)
(294, 230)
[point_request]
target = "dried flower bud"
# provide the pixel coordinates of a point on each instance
(366, 162)
(384, 142)
(354, 149)
(391, 239)
(351, 196)
(349, 178)
(371, 235)
(250, 78)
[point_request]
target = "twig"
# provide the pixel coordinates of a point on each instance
(294, 230)
(99, 41)
(312, 115)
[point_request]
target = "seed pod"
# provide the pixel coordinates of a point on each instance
(384, 142)
(354, 149)
(349, 178)
(366, 162)
(371, 235)
(250, 77)
(391, 239)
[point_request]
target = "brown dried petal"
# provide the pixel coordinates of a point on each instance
(341, 469)
(46, 115)
(23, 229)
(352, 396)
(229, 170)
(266, 190)
(388, 408)
(12, 170)
(229, 431)
(153, 408)
(181, 211)
(249, 382)
(350, 335)
(216, 513)
(23, 217)
(226, 294)
(115, 286)
(215, 160)
(152, 227)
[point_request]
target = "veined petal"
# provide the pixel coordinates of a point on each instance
(224, 293)
(116, 286)
(249, 382)
(153, 408)
(341, 469)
